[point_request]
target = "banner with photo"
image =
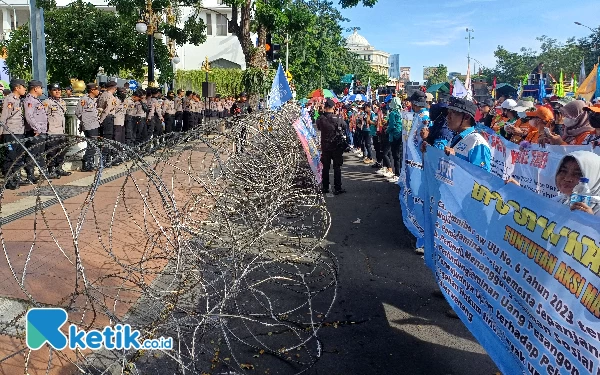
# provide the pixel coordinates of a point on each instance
(310, 143)
(521, 271)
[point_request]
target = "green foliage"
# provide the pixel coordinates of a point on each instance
(256, 81)
(228, 82)
(19, 53)
(80, 39)
(438, 75)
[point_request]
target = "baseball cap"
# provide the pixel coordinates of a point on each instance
(16, 82)
(509, 104)
(541, 112)
(329, 103)
(91, 86)
(488, 102)
(429, 96)
(54, 86)
(34, 83)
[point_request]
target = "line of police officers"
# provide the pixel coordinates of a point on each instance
(135, 121)
(43, 126)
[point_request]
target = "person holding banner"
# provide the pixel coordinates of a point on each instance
(594, 116)
(540, 119)
(467, 144)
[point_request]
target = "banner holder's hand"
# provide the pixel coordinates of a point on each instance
(449, 151)
(582, 207)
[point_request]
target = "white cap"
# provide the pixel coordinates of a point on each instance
(508, 104)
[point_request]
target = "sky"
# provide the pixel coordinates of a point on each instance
(433, 32)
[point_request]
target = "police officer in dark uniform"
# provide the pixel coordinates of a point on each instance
(13, 129)
(36, 128)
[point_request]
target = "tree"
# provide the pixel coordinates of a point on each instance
(590, 46)
(438, 75)
(80, 39)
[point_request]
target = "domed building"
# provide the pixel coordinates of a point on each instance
(378, 60)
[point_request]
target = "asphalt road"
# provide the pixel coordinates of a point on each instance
(388, 321)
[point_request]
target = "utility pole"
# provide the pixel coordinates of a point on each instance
(287, 52)
(469, 38)
(38, 44)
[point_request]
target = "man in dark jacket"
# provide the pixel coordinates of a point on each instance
(330, 126)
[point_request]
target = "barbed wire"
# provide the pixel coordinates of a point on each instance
(213, 237)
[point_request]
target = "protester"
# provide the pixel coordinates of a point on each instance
(394, 132)
(594, 118)
(509, 118)
(576, 126)
(368, 131)
(571, 169)
(331, 127)
(486, 112)
(420, 107)
(540, 119)
(467, 144)
(437, 135)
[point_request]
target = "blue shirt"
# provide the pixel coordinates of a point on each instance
(472, 147)
(443, 138)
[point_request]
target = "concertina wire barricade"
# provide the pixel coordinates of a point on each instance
(215, 239)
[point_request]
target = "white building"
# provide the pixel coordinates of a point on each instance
(378, 60)
(221, 47)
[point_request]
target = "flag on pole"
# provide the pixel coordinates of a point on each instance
(542, 90)
(468, 80)
(597, 94)
(351, 91)
(588, 87)
(572, 81)
(582, 72)
(520, 89)
(494, 88)
(560, 88)
(369, 93)
(280, 90)
(460, 91)
(525, 79)
(575, 86)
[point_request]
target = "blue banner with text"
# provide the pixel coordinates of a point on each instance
(521, 271)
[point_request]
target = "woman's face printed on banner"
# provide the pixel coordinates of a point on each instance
(568, 175)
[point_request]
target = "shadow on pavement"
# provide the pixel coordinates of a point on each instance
(385, 320)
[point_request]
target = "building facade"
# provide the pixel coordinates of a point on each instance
(378, 60)
(394, 66)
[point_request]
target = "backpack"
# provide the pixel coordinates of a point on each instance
(339, 139)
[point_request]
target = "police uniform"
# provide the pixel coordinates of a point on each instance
(13, 129)
(138, 116)
(107, 107)
(178, 113)
(36, 128)
(119, 129)
(87, 113)
(55, 150)
(168, 108)
(187, 113)
(130, 124)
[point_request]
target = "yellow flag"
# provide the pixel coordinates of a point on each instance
(588, 86)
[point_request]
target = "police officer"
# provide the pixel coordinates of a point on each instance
(186, 106)
(241, 107)
(68, 92)
(169, 112)
(107, 107)
(159, 117)
(119, 129)
(87, 113)
(36, 128)
(130, 125)
(178, 110)
(56, 108)
(13, 129)
(138, 116)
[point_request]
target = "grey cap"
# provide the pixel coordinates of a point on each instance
(15, 82)
(35, 83)
(418, 98)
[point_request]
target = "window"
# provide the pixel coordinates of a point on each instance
(221, 25)
(219, 2)
(209, 24)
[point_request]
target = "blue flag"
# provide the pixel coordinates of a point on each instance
(542, 89)
(597, 94)
(280, 90)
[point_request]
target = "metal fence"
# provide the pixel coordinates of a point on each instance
(214, 240)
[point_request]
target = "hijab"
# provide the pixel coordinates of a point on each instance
(589, 163)
(396, 103)
(576, 120)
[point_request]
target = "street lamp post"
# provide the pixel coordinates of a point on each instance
(595, 44)
(148, 24)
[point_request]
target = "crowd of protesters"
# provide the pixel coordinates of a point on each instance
(373, 131)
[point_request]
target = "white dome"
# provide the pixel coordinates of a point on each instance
(356, 40)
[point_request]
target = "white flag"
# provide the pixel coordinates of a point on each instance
(460, 91)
